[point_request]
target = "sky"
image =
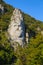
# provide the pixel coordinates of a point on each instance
(31, 7)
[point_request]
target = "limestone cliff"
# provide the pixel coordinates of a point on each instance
(16, 28)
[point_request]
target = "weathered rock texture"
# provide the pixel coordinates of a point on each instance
(16, 28)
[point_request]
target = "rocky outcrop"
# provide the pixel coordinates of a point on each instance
(27, 37)
(1, 9)
(16, 28)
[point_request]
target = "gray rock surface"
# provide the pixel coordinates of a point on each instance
(16, 28)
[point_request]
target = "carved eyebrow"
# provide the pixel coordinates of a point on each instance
(14, 25)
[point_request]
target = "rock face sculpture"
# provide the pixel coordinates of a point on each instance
(16, 28)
